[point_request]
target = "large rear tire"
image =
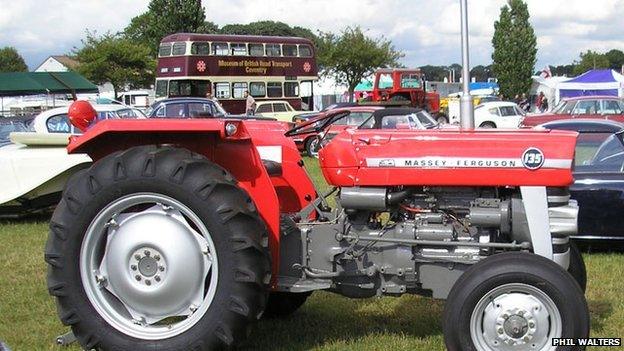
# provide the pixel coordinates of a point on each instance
(514, 301)
(157, 248)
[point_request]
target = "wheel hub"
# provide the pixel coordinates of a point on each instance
(514, 320)
(148, 272)
(516, 326)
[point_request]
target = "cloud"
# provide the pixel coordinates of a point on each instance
(426, 31)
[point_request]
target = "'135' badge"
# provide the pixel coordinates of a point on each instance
(533, 158)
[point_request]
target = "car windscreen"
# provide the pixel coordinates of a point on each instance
(609, 157)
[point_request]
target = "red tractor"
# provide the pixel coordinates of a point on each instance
(404, 87)
(183, 233)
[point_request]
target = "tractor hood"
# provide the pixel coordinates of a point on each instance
(449, 157)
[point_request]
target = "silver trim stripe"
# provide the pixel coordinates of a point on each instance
(460, 162)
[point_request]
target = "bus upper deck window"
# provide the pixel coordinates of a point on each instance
(273, 50)
(179, 48)
(290, 50)
(305, 51)
(164, 49)
(200, 48)
(256, 49)
(238, 49)
(222, 49)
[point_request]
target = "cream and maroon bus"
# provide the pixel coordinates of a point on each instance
(270, 68)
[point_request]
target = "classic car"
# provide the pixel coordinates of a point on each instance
(498, 114)
(302, 117)
(34, 165)
(351, 117)
(598, 177)
(186, 107)
(592, 107)
(327, 126)
(281, 110)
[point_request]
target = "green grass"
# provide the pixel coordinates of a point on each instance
(28, 319)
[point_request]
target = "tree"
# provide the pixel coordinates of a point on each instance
(273, 28)
(11, 61)
(481, 73)
(590, 60)
(165, 17)
(562, 70)
(616, 59)
(515, 49)
(352, 56)
(117, 60)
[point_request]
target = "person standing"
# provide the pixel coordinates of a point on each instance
(250, 104)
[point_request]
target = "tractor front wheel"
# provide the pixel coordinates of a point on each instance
(157, 248)
(514, 301)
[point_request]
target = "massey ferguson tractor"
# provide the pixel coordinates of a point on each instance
(184, 233)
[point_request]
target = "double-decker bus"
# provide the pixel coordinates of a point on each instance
(270, 68)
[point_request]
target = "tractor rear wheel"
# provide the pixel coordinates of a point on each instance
(514, 301)
(157, 248)
(282, 304)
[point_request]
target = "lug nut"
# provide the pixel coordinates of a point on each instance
(157, 257)
(133, 267)
(531, 325)
(161, 268)
(157, 278)
(148, 282)
(500, 330)
(137, 277)
(147, 253)
(137, 257)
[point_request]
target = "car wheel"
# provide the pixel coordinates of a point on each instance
(312, 146)
(487, 125)
(442, 119)
(514, 300)
(157, 248)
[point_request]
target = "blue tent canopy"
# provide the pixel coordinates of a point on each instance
(593, 82)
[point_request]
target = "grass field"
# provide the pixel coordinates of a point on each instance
(28, 318)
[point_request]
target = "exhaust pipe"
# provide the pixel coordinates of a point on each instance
(466, 114)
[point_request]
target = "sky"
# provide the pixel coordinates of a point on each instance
(426, 31)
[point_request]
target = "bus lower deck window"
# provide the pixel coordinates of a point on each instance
(238, 90)
(257, 89)
(274, 89)
(220, 48)
(291, 89)
(222, 90)
(161, 88)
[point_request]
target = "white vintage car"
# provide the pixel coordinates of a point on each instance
(498, 114)
(35, 165)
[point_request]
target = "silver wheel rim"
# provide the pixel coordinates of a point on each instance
(515, 317)
(149, 266)
(314, 147)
